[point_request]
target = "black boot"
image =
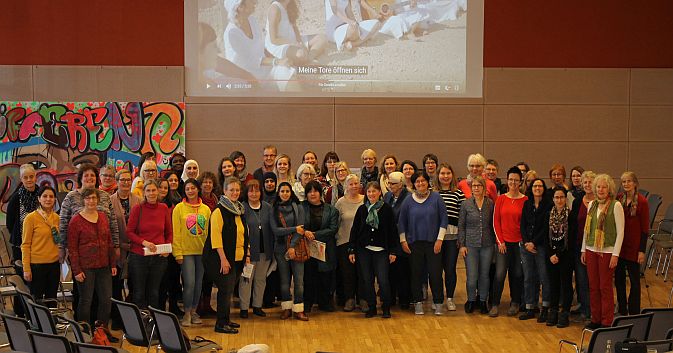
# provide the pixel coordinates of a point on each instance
(483, 308)
(527, 315)
(543, 315)
(469, 307)
(386, 312)
(563, 319)
(552, 320)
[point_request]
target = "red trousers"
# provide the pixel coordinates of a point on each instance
(601, 293)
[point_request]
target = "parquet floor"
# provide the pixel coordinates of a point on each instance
(406, 332)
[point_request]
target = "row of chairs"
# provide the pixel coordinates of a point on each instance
(653, 326)
(43, 325)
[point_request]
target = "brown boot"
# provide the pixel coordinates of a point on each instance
(285, 314)
(301, 316)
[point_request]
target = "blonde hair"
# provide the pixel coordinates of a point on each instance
(290, 174)
(632, 175)
(349, 178)
(524, 184)
(608, 180)
(478, 158)
(369, 152)
(587, 174)
(147, 164)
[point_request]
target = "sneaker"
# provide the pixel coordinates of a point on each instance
(493, 312)
(418, 308)
(438, 309)
(186, 320)
(350, 305)
(364, 306)
(513, 309)
(196, 319)
(450, 305)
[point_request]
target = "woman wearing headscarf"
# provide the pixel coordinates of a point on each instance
(190, 171)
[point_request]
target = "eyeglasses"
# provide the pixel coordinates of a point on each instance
(310, 175)
(557, 174)
(124, 180)
(269, 156)
(150, 170)
(477, 186)
(475, 165)
(107, 175)
(342, 171)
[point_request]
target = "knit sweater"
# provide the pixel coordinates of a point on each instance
(347, 210)
(190, 228)
(422, 221)
(507, 219)
(614, 249)
(38, 246)
(154, 226)
(636, 228)
(74, 203)
(452, 201)
(89, 244)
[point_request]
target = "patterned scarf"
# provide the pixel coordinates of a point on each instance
(234, 207)
(373, 214)
(599, 239)
(634, 203)
(558, 225)
(27, 203)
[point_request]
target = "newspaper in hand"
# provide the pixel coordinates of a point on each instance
(316, 249)
(161, 249)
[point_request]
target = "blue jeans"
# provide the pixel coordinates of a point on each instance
(374, 263)
(508, 264)
(477, 265)
(535, 264)
(146, 273)
(582, 285)
(286, 277)
(192, 277)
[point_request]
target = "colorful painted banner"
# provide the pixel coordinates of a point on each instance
(58, 137)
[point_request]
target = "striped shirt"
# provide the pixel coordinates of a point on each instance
(452, 201)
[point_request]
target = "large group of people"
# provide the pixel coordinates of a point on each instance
(324, 236)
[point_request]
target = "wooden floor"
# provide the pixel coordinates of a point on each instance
(406, 332)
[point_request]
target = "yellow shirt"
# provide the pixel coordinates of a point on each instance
(216, 224)
(38, 246)
(190, 229)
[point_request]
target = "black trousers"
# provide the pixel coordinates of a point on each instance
(400, 280)
(225, 286)
(317, 285)
(561, 282)
(45, 280)
(423, 254)
(347, 271)
(632, 305)
(272, 289)
(171, 287)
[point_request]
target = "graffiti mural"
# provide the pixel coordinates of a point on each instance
(58, 137)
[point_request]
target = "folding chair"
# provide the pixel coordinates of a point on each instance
(171, 339)
(599, 339)
(135, 329)
(48, 343)
(17, 333)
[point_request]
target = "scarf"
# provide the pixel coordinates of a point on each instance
(423, 195)
(369, 176)
(373, 214)
(633, 207)
(53, 227)
(234, 207)
(27, 203)
(599, 239)
(558, 225)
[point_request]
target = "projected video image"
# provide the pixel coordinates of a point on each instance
(323, 47)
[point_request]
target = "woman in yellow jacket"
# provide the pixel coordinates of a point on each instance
(39, 246)
(190, 230)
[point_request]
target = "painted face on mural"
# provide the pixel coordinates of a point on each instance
(43, 156)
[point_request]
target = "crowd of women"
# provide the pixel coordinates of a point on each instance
(394, 224)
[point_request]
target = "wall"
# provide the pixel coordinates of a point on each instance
(608, 120)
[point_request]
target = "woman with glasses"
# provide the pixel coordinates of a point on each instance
(430, 163)
(422, 227)
(475, 166)
(336, 190)
(557, 174)
(560, 262)
(147, 171)
(577, 219)
(408, 169)
(305, 173)
(327, 176)
(107, 179)
(507, 225)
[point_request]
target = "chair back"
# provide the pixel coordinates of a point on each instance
(45, 322)
(169, 331)
(132, 320)
(76, 330)
(25, 299)
(17, 333)
(641, 324)
(4, 231)
(81, 347)
(667, 227)
(643, 192)
(662, 321)
(599, 339)
(48, 343)
(654, 202)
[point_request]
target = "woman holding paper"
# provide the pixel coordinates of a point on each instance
(321, 222)
(374, 244)
(146, 264)
(190, 230)
(226, 251)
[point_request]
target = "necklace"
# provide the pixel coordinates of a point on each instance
(257, 217)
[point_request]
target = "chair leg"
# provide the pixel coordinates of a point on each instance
(667, 264)
(656, 271)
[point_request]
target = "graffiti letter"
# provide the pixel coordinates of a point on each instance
(133, 141)
(163, 127)
(95, 118)
(77, 134)
(53, 133)
(14, 116)
(29, 126)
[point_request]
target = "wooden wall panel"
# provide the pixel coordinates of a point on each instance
(556, 86)
(652, 86)
(16, 82)
(651, 159)
(651, 123)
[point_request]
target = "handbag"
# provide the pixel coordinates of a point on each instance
(630, 345)
(100, 336)
(301, 249)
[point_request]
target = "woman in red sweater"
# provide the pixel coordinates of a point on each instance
(155, 229)
(507, 224)
(632, 255)
(92, 257)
